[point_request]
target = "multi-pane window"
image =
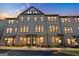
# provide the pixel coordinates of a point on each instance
(39, 28)
(9, 30)
(15, 30)
(52, 18)
(42, 19)
(76, 20)
(65, 20)
(10, 21)
(28, 19)
(35, 18)
(53, 28)
(68, 30)
(55, 40)
(23, 28)
(72, 41)
(22, 18)
(40, 40)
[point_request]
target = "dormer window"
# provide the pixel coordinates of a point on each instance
(28, 12)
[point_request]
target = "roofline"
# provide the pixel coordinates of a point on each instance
(68, 16)
(30, 8)
(11, 18)
(51, 15)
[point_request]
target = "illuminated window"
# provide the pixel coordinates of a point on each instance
(9, 30)
(9, 40)
(15, 30)
(55, 40)
(28, 12)
(68, 41)
(28, 18)
(24, 29)
(52, 18)
(72, 41)
(42, 18)
(10, 21)
(22, 18)
(68, 30)
(40, 40)
(39, 28)
(76, 20)
(65, 20)
(35, 18)
(23, 40)
(53, 28)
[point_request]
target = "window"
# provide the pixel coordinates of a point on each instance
(65, 20)
(76, 20)
(22, 18)
(39, 29)
(24, 29)
(42, 19)
(52, 18)
(35, 18)
(15, 30)
(68, 30)
(40, 40)
(10, 21)
(23, 40)
(55, 40)
(53, 28)
(72, 41)
(9, 30)
(28, 18)
(9, 40)
(28, 12)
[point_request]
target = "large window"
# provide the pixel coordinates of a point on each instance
(28, 19)
(35, 18)
(9, 40)
(24, 29)
(65, 20)
(56, 40)
(40, 40)
(23, 40)
(10, 21)
(68, 30)
(72, 41)
(53, 28)
(9, 30)
(77, 20)
(39, 28)
(52, 18)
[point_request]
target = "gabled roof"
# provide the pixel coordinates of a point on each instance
(32, 9)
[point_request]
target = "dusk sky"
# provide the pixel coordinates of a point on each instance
(14, 9)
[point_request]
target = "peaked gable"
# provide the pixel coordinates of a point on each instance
(32, 10)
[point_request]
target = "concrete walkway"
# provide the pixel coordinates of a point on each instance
(29, 48)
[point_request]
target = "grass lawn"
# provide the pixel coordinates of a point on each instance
(72, 51)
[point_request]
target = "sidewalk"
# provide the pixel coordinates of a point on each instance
(30, 48)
